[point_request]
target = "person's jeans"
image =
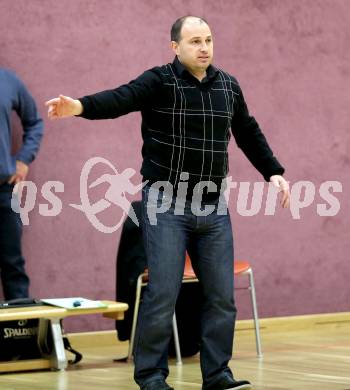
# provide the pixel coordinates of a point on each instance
(209, 243)
(15, 282)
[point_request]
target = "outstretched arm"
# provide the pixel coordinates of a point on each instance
(134, 96)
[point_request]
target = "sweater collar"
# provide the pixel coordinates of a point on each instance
(212, 71)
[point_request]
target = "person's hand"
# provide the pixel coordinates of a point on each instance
(63, 107)
(21, 173)
(279, 182)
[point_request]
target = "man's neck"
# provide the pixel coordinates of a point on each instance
(199, 75)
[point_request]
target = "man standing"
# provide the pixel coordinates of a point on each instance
(14, 169)
(188, 108)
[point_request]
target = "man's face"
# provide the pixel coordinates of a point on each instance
(195, 48)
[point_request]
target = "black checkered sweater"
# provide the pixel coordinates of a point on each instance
(187, 124)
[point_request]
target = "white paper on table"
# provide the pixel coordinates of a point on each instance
(71, 303)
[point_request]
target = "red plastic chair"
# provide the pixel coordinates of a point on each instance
(240, 268)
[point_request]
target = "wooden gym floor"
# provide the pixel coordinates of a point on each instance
(314, 357)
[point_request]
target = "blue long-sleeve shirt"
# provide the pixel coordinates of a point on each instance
(15, 96)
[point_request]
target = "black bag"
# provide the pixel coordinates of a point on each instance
(19, 338)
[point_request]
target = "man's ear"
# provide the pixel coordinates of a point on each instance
(175, 47)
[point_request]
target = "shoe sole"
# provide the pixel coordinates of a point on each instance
(242, 387)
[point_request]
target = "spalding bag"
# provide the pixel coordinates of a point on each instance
(19, 338)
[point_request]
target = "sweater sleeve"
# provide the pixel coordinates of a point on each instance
(134, 96)
(252, 141)
(31, 122)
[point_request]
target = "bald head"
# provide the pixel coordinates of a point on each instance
(183, 22)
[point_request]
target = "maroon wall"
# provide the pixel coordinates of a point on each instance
(292, 60)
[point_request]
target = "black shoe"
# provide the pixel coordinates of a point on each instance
(157, 385)
(227, 384)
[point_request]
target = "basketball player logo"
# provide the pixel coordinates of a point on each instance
(119, 185)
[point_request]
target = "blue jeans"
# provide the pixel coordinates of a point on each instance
(15, 282)
(209, 243)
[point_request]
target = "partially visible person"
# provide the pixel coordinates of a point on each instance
(14, 169)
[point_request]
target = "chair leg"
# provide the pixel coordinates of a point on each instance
(176, 341)
(255, 313)
(134, 321)
(134, 324)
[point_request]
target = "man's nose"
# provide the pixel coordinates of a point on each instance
(204, 47)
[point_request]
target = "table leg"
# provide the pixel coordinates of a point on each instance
(57, 355)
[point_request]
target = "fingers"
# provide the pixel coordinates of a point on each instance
(63, 106)
(52, 105)
(283, 186)
(12, 179)
(285, 201)
(52, 101)
(56, 107)
(21, 173)
(52, 113)
(65, 98)
(15, 179)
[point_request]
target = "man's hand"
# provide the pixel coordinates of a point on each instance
(21, 173)
(279, 182)
(63, 107)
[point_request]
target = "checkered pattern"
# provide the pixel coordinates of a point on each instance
(186, 124)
